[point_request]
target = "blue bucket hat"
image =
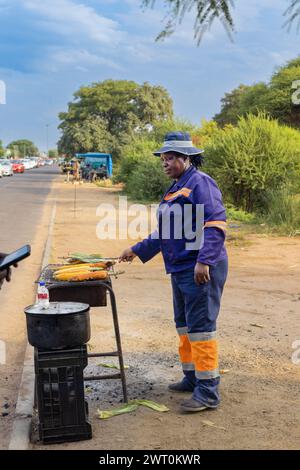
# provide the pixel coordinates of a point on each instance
(180, 142)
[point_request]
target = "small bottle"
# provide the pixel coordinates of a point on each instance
(43, 296)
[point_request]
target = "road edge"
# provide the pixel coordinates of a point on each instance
(19, 439)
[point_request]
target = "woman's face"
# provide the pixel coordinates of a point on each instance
(174, 165)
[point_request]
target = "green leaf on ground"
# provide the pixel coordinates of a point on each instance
(127, 408)
(131, 406)
(151, 404)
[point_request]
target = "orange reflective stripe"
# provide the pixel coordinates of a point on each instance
(205, 355)
(216, 223)
(219, 222)
(182, 192)
(185, 351)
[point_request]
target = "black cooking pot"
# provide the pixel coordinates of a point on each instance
(62, 325)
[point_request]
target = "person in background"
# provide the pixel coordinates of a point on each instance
(68, 169)
(198, 274)
(76, 168)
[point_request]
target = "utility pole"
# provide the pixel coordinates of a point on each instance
(47, 126)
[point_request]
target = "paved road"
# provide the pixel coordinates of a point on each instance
(25, 210)
(22, 198)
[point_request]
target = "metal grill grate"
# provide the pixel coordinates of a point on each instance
(92, 292)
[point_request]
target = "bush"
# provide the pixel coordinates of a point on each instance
(147, 182)
(139, 149)
(253, 158)
(239, 215)
(283, 211)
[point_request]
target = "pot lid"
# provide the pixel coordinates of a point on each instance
(57, 308)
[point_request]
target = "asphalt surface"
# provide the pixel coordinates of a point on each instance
(25, 209)
(22, 198)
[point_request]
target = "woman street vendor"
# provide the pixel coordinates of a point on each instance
(198, 271)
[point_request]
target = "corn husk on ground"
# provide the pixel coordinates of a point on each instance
(132, 405)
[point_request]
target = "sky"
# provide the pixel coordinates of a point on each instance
(49, 48)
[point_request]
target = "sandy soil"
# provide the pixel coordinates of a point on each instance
(260, 392)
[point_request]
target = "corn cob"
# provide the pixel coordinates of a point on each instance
(91, 276)
(101, 264)
(79, 271)
(78, 267)
(81, 276)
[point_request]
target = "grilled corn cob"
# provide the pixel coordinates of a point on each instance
(78, 271)
(80, 267)
(81, 276)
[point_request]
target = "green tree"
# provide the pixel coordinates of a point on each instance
(90, 135)
(274, 98)
(278, 100)
(147, 181)
(231, 106)
(114, 110)
(23, 148)
(1, 149)
(240, 101)
(53, 153)
(207, 11)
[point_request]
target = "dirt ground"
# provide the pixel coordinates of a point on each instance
(260, 392)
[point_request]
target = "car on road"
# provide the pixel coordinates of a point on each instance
(7, 168)
(28, 164)
(17, 166)
(1, 170)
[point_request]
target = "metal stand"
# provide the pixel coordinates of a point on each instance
(118, 353)
(93, 293)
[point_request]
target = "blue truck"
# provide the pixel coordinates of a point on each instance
(95, 165)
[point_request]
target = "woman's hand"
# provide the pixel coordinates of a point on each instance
(127, 255)
(6, 273)
(201, 273)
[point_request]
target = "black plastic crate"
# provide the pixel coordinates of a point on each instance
(63, 412)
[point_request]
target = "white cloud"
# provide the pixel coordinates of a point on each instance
(249, 15)
(69, 18)
(81, 59)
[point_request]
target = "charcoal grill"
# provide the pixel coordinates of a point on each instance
(94, 293)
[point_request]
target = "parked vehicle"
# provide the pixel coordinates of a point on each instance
(95, 165)
(34, 161)
(1, 171)
(17, 166)
(7, 169)
(28, 163)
